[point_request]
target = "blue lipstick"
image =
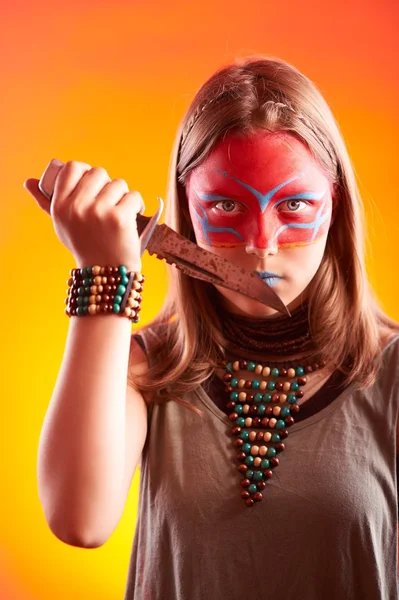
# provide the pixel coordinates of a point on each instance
(270, 278)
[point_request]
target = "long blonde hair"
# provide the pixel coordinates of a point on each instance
(262, 92)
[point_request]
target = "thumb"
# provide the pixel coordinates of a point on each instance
(32, 186)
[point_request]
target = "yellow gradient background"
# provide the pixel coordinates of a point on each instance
(107, 83)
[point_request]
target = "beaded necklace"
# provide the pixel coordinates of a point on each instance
(261, 411)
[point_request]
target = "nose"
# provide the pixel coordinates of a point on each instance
(270, 250)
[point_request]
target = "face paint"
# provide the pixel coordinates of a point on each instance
(265, 219)
(262, 201)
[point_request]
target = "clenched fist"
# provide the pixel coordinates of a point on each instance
(93, 216)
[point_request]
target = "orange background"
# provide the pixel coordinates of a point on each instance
(107, 83)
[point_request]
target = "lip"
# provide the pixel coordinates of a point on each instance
(267, 275)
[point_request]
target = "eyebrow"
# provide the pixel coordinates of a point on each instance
(299, 196)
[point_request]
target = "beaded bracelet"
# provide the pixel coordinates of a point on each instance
(94, 290)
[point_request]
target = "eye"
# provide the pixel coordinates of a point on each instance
(295, 205)
(228, 205)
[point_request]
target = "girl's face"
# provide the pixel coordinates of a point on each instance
(263, 202)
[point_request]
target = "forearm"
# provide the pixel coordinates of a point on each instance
(82, 443)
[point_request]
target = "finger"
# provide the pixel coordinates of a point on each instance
(32, 186)
(89, 187)
(132, 201)
(66, 183)
(110, 195)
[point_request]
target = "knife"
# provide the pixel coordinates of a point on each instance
(165, 243)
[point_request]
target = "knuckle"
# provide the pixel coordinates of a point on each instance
(99, 171)
(120, 181)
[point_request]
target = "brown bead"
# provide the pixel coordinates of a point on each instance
(227, 377)
(253, 410)
(245, 494)
(107, 288)
(283, 433)
(322, 364)
(249, 502)
(241, 456)
(268, 473)
(245, 483)
(299, 394)
(289, 421)
(70, 281)
(248, 384)
(108, 270)
(259, 436)
(265, 421)
(250, 397)
(269, 410)
(258, 496)
(102, 307)
(274, 462)
(308, 369)
(294, 408)
(105, 298)
(283, 372)
(236, 430)
(111, 280)
(238, 443)
(242, 468)
(229, 388)
(243, 364)
(261, 485)
(280, 447)
(233, 416)
(315, 366)
(302, 380)
(275, 398)
(256, 421)
(279, 386)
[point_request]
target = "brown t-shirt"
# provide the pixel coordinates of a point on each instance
(326, 528)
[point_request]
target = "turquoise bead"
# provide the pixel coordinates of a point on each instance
(300, 371)
(240, 421)
(261, 409)
(251, 366)
(80, 300)
(234, 382)
(234, 396)
(291, 398)
(87, 282)
(118, 299)
(276, 437)
(267, 397)
(249, 461)
(124, 280)
(238, 409)
(258, 397)
(80, 311)
(116, 308)
(255, 384)
(271, 452)
(89, 271)
(285, 411)
(258, 476)
(246, 448)
(244, 435)
(252, 488)
(265, 464)
(280, 424)
(120, 290)
(229, 366)
(275, 372)
(271, 385)
(87, 290)
(85, 300)
(294, 386)
(81, 290)
(122, 270)
(249, 474)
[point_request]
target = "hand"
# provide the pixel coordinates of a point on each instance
(93, 216)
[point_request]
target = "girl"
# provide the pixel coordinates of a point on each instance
(267, 443)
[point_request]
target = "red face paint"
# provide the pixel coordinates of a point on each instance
(259, 191)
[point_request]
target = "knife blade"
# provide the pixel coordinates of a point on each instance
(197, 262)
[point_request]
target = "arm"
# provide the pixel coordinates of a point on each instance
(93, 432)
